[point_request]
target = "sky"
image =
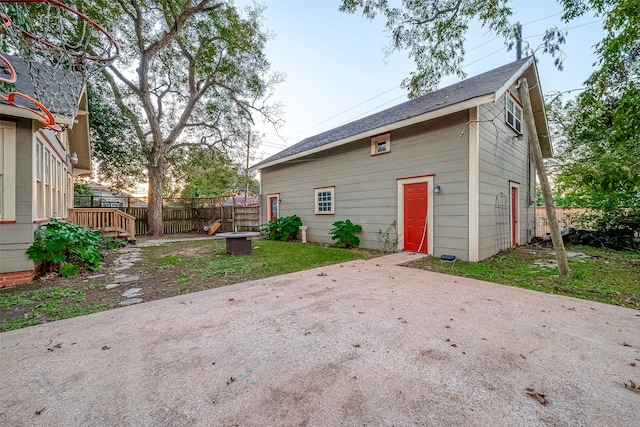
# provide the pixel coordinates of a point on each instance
(337, 70)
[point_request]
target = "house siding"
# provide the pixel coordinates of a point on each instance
(15, 238)
(502, 159)
(366, 186)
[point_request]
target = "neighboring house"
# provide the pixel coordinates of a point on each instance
(241, 200)
(451, 170)
(36, 175)
(107, 197)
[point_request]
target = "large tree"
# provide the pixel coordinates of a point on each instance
(191, 73)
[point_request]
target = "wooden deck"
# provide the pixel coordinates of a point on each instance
(109, 221)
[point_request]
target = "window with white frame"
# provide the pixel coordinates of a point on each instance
(7, 171)
(514, 114)
(380, 144)
(52, 181)
(39, 181)
(325, 200)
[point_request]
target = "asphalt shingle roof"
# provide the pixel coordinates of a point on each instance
(54, 93)
(471, 88)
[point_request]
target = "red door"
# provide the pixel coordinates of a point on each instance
(514, 216)
(415, 217)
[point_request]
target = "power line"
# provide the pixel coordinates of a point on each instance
(465, 66)
(346, 111)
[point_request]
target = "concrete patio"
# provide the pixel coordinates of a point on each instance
(361, 343)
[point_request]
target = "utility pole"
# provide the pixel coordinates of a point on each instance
(518, 30)
(556, 237)
(246, 169)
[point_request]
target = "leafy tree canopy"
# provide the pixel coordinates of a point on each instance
(434, 32)
(203, 172)
(82, 189)
(116, 149)
(597, 161)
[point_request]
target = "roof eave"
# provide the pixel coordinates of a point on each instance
(465, 105)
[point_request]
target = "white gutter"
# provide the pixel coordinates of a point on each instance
(465, 105)
(10, 110)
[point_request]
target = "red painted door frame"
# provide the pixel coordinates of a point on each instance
(514, 216)
(415, 231)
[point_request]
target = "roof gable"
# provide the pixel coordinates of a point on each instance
(480, 89)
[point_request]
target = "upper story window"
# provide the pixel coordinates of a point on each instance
(380, 144)
(514, 114)
(324, 200)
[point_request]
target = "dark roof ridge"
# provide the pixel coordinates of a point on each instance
(474, 87)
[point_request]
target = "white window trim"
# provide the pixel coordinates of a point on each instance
(332, 190)
(517, 107)
(269, 197)
(8, 171)
(375, 140)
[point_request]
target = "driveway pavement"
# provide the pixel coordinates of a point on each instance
(365, 343)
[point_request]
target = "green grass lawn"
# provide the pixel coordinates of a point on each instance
(165, 271)
(186, 267)
(607, 276)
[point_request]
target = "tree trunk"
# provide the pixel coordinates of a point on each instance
(556, 237)
(156, 182)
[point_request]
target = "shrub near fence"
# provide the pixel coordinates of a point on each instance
(567, 217)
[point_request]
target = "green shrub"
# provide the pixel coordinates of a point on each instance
(63, 246)
(343, 234)
(284, 229)
(67, 270)
(618, 229)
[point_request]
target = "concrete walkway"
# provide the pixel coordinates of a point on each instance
(361, 343)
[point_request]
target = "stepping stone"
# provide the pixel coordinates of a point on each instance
(96, 276)
(127, 279)
(123, 267)
(120, 276)
(131, 301)
(546, 263)
(577, 255)
(133, 292)
(128, 250)
(112, 285)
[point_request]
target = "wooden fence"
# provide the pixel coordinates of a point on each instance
(567, 217)
(182, 220)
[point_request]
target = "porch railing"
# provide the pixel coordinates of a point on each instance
(110, 221)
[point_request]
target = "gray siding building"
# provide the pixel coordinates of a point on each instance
(449, 171)
(36, 174)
